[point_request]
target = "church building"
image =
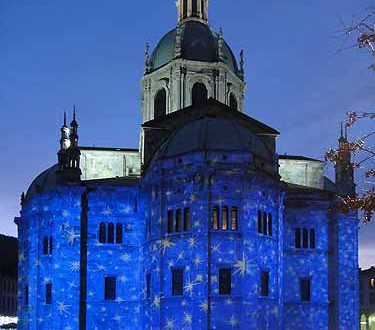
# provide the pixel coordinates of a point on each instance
(204, 226)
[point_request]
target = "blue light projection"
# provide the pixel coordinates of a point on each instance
(167, 223)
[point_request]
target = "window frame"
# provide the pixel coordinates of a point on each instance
(110, 288)
(48, 288)
(265, 283)
(305, 296)
(177, 281)
(225, 280)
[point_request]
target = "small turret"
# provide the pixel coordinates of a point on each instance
(221, 46)
(64, 145)
(242, 65)
(147, 58)
(69, 153)
(344, 171)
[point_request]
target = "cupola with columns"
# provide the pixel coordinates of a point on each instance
(189, 64)
(192, 10)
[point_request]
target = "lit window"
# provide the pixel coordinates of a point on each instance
(305, 289)
(48, 293)
(170, 221)
(225, 281)
(186, 219)
(177, 282)
(110, 288)
(372, 283)
(119, 233)
(265, 280)
(234, 216)
(111, 233)
(215, 218)
(224, 219)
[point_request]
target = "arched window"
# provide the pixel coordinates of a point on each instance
(233, 102)
(199, 94)
(234, 216)
(185, 8)
(160, 103)
(111, 233)
(195, 8)
(224, 218)
(215, 218)
(178, 221)
(119, 233)
(186, 219)
(45, 245)
(102, 233)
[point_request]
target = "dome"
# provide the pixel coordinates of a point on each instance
(198, 43)
(46, 180)
(214, 134)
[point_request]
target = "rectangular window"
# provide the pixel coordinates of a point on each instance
(177, 282)
(215, 218)
(372, 283)
(170, 222)
(260, 223)
(305, 288)
(265, 227)
(265, 283)
(45, 245)
(234, 216)
(298, 238)
(50, 245)
(372, 298)
(186, 219)
(225, 281)
(48, 293)
(110, 288)
(270, 224)
(148, 285)
(26, 295)
(178, 221)
(224, 219)
(305, 238)
(312, 239)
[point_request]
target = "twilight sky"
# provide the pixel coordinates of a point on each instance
(54, 54)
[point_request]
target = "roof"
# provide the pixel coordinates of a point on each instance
(44, 181)
(128, 182)
(295, 188)
(212, 107)
(109, 149)
(291, 157)
(9, 256)
(198, 43)
(216, 134)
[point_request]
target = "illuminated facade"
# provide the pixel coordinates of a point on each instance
(205, 227)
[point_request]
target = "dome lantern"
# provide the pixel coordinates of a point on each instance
(189, 10)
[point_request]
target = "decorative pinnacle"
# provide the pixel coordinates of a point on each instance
(221, 44)
(65, 119)
(242, 62)
(74, 112)
(147, 58)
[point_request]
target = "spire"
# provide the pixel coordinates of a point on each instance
(221, 45)
(189, 10)
(242, 64)
(74, 130)
(147, 58)
(344, 171)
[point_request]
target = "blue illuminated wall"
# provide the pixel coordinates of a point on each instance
(78, 262)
